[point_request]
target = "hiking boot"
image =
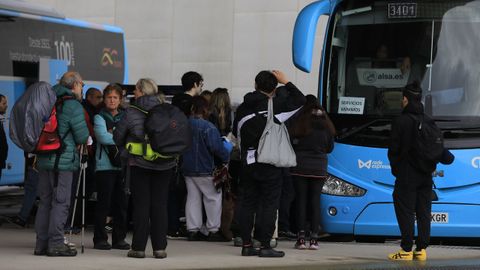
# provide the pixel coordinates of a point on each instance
(136, 254)
(313, 244)
(401, 255)
(40, 252)
(300, 244)
(420, 255)
(122, 245)
(61, 251)
(269, 252)
(216, 237)
(159, 254)
(102, 245)
(286, 235)
(250, 251)
(16, 220)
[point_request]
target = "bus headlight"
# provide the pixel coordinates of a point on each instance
(338, 187)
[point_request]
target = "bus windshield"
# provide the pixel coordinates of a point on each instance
(378, 47)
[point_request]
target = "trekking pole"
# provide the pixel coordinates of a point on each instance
(76, 199)
(83, 168)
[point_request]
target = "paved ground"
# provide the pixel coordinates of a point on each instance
(16, 250)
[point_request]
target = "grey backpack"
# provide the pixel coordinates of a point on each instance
(274, 146)
(29, 115)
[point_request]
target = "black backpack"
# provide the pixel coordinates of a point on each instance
(168, 130)
(427, 144)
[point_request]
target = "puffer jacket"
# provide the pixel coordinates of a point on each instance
(130, 129)
(71, 120)
(104, 138)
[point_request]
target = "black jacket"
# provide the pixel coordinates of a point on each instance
(250, 118)
(183, 101)
(312, 150)
(3, 147)
(131, 129)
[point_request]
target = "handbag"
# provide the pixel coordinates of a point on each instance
(274, 146)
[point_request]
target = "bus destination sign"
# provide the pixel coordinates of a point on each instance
(400, 10)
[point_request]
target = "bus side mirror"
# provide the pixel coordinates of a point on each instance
(304, 33)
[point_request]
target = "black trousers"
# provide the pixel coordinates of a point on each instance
(286, 200)
(262, 184)
(411, 200)
(308, 191)
(110, 196)
(150, 215)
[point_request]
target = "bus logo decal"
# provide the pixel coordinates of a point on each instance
(362, 164)
(373, 164)
(476, 162)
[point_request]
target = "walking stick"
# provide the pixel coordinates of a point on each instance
(81, 180)
(83, 169)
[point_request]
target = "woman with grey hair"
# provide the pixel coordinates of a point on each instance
(150, 179)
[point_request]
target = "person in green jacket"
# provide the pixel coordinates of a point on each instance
(55, 182)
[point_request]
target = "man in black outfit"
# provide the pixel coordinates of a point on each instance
(3, 137)
(262, 183)
(412, 195)
(192, 83)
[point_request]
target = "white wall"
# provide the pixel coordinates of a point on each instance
(227, 41)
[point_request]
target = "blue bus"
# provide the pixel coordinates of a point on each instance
(372, 49)
(38, 43)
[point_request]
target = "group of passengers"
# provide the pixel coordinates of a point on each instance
(222, 141)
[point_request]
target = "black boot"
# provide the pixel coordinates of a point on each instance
(268, 252)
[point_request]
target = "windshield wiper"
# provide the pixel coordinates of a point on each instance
(358, 129)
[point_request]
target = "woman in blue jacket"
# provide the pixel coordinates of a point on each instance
(109, 178)
(198, 166)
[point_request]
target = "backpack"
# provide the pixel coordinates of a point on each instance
(427, 145)
(274, 146)
(112, 151)
(49, 140)
(33, 124)
(167, 130)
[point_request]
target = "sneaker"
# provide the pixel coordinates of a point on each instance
(16, 220)
(250, 251)
(159, 254)
(300, 244)
(102, 245)
(401, 255)
(122, 245)
(269, 252)
(313, 244)
(175, 235)
(286, 235)
(136, 254)
(61, 251)
(196, 236)
(420, 255)
(216, 237)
